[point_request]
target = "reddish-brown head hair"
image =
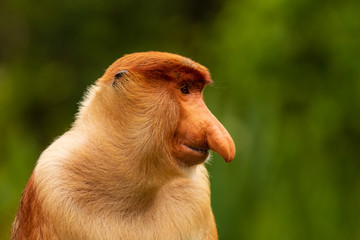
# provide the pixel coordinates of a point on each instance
(161, 66)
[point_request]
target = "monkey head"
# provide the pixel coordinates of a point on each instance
(166, 92)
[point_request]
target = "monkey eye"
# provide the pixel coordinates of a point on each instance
(185, 89)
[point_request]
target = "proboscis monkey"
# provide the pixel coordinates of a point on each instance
(131, 166)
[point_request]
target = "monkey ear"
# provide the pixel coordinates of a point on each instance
(118, 76)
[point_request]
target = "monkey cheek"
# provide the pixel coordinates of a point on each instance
(190, 156)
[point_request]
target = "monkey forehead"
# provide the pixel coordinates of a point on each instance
(161, 65)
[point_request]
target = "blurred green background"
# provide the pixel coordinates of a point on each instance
(287, 87)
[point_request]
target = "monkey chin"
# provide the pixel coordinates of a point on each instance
(189, 155)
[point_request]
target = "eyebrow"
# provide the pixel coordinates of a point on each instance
(201, 81)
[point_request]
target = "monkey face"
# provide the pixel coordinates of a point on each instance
(198, 130)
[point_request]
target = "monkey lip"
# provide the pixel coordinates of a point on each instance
(191, 154)
(200, 150)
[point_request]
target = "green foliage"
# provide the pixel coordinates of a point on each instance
(287, 84)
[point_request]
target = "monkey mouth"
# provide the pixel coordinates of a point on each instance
(200, 150)
(191, 154)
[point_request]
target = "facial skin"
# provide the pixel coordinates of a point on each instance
(131, 166)
(198, 129)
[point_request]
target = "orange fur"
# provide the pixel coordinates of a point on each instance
(131, 167)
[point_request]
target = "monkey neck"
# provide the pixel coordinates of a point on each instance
(106, 173)
(126, 181)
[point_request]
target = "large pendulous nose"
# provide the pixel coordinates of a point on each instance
(218, 138)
